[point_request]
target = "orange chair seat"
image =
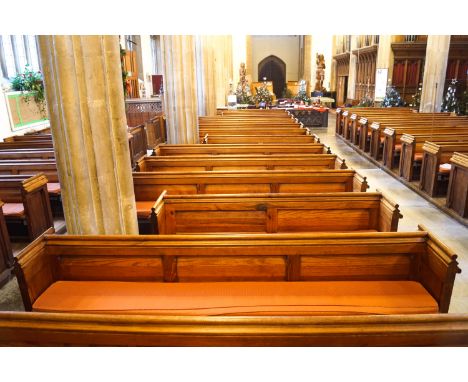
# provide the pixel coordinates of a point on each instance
(237, 298)
(13, 209)
(445, 168)
(53, 188)
(418, 157)
(398, 147)
(144, 208)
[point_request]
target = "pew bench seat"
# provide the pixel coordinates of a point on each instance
(13, 210)
(53, 188)
(237, 298)
(144, 208)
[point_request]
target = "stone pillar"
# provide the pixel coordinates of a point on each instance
(435, 70)
(214, 54)
(147, 64)
(249, 59)
(385, 55)
(239, 55)
(308, 63)
(83, 83)
(180, 88)
(333, 66)
(352, 68)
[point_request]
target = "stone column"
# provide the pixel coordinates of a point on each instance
(249, 59)
(239, 55)
(385, 55)
(215, 56)
(308, 63)
(83, 83)
(435, 70)
(352, 68)
(180, 88)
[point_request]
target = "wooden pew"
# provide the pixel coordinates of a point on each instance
(27, 154)
(259, 139)
(137, 143)
(43, 145)
(48, 167)
(27, 207)
(392, 140)
(28, 138)
(434, 156)
(457, 194)
(237, 149)
(149, 186)
(201, 264)
(412, 153)
(250, 131)
(67, 329)
(241, 162)
(265, 213)
(6, 253)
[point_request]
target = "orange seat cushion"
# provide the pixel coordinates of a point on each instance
(398, 147)
(418, 157)
(13, 209)
(237, 298)
(445, 168)
(144, 208)
(53, 188)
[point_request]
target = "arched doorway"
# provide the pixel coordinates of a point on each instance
(274, 69)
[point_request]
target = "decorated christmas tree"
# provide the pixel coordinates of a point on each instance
(392, 98)
(263, 95)
(366, 101)
(464, 103)
(302, 94)
(450, 102)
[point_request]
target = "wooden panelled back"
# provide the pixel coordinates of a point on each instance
(238, 163)
(244, 149)
(265, 213)
(149, 185)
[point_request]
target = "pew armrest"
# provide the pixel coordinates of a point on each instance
(36, 205)
(437, 269)
(389, 215)
(35, 270)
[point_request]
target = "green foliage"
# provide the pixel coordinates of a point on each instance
(263, 95)
(123, 52)
(302, 96)
(31, 81)
(392, 98)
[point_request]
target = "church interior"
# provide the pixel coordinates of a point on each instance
(234, 190)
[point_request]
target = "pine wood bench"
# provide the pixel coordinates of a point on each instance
(27, 208)
(457, 194)
(435, 168)
(149, 186)
(265, 213)
(27, 154)
(412, 152)
(241, 162)
(257, 139)
(240, 149)
(238, 275)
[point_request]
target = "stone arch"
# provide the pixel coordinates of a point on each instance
(274, 69)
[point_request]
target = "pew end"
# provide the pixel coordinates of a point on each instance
(437, 269)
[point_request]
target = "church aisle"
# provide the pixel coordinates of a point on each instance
(415, 209)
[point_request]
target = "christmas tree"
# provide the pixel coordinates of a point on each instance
(392, 98)
(302, 94)
(450, 102)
